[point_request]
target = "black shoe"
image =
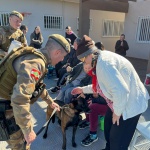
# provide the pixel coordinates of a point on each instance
(89, 140)
(84, 125)
(55, 89)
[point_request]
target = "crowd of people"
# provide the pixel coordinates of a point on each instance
(107, 80)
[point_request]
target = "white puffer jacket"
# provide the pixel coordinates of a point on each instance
(120, 83)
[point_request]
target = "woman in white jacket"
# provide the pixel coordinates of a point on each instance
(118, 82)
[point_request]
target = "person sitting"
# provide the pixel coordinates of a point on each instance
(98, 106)
(36, 38)
(70, 34)
(24, 29)
(69, 60)
(99, 45)
(76, 43)
(77, 74)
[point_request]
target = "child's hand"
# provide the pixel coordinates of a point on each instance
(82, 95)
(89, 102)
(68, 69)
(77, 90)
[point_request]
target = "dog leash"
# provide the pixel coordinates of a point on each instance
(43, 126)
(46, 122)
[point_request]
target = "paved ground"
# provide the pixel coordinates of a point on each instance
(54, 139)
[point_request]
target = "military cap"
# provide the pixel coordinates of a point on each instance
(62, 41)
(16, 13)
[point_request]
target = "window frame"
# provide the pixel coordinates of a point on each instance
(138, 30)
(48, 15)
(121, 23)
(2, 21)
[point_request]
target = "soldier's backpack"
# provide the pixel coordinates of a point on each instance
(8, 76)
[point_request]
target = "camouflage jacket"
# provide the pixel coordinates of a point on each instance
(7, 34)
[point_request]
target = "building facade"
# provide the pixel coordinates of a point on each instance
(105, 26)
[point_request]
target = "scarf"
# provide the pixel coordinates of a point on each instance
(92, 73)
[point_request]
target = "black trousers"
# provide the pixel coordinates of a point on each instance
(62, 71)
(119, 137)
(58, 66)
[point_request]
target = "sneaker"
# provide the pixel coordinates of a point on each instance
(55, 89)
(84, 125)
(89, 140)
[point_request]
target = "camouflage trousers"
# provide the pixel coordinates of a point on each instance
(16, 141)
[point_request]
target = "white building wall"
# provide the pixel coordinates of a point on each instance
(38, 8)
(70, 13)
(136, 9)
(96, 33)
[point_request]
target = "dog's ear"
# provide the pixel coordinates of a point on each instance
(71, 105)
(74, 102)
(83, 104)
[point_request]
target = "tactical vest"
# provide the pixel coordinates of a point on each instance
(9, 36)
(8, 76)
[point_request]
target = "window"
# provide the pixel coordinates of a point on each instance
(4, 18)
(143, 30)
(112, 28)
(53, 22)
(91, 21)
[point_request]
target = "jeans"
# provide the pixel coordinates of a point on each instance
(65, 93)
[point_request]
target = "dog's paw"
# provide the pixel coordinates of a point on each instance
(44, 136)
(74, 144)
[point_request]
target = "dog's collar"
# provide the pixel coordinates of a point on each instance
(67, 110)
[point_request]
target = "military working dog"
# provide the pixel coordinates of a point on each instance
(69, 115)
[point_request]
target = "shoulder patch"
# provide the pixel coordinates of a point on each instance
(35, 74)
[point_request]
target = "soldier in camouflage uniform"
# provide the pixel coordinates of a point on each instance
(23, 70)
(11, 32)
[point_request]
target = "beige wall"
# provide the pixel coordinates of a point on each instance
(97, 27)
(136, 9)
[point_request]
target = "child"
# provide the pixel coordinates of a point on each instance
(98, 106)
(77, 74)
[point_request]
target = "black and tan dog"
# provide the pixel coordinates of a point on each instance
(69, 115)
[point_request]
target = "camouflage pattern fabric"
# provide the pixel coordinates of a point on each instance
(7, 34)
